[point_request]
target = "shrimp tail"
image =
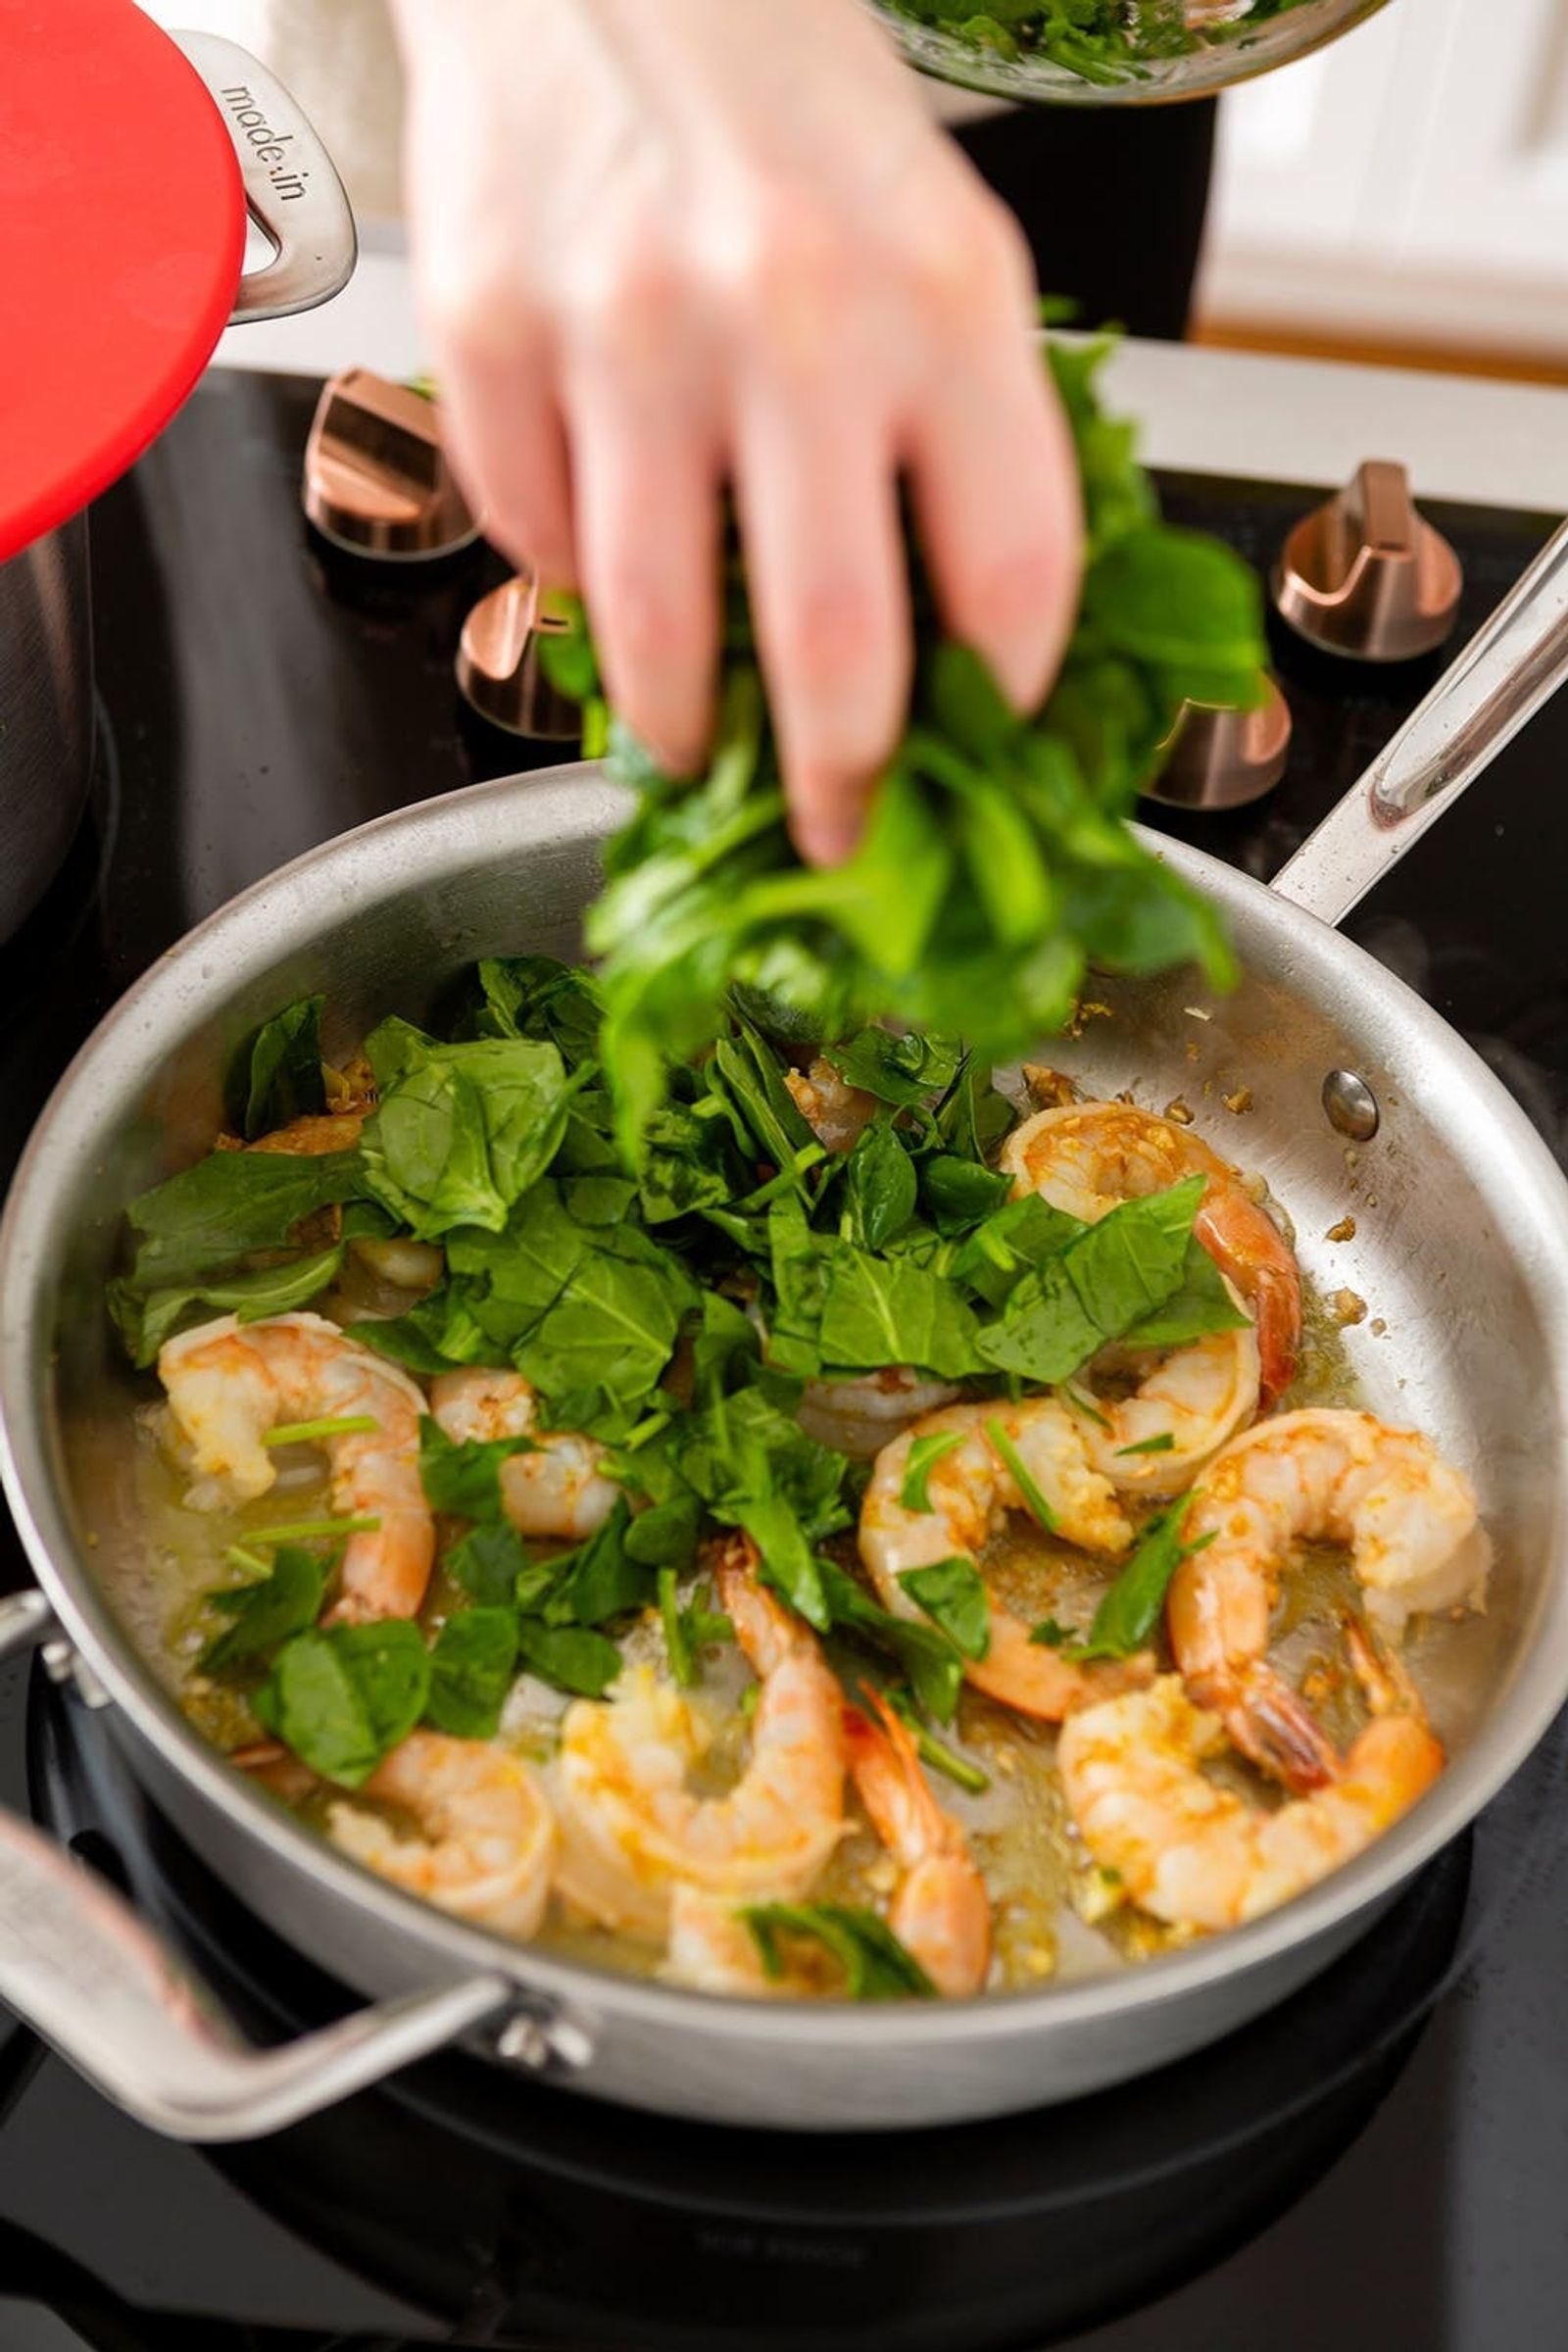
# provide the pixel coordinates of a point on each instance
(1273, 1726)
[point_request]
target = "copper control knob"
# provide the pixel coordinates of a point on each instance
(499, 668)
(1365, 575)
(1223, 758)
(376, 479)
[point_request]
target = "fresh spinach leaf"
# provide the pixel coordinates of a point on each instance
(876, 1966)
(278, 1078)
(571, 1657)
(460, 1132)
(954, 1597)
(265, 1614)
(145, 1319)
(471, 1665)
(1130, 1606)
(1105, 1283)
(201, 1221)
(487, 1563)
(342, 1699)
(880, 1187)
(464, 1478)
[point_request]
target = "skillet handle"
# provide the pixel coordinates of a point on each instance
(292, 191)
(97, 1983)
(1516, 660)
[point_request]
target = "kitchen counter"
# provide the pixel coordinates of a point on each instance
(1205, 412)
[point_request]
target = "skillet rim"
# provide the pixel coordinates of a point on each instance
(283, 913)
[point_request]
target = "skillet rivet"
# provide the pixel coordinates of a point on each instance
(1351, 1105)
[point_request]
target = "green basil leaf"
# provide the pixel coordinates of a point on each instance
(954, 1597)
(471, 1666)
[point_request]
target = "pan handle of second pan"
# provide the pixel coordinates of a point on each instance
(1516, 660)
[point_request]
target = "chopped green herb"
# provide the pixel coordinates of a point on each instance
(1022, 1477)
(922, 1458)
(305, 1530)
(316, 1433)
(1051, 1633)
(677, 1645)
(1163, 1442)
(1129, 1610)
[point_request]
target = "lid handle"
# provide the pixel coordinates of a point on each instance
(292, 191)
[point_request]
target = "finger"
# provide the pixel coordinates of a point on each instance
(644, 480)
(994, 485)
(503, 431)
(819, 516)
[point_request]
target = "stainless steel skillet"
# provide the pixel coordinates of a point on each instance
(1460, 1253)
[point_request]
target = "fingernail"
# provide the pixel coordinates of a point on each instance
(827, 836)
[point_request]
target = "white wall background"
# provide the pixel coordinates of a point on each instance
(1410, 183)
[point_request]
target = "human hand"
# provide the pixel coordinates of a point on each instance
(667, 247)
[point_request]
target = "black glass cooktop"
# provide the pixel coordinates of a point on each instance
(1380, 2165)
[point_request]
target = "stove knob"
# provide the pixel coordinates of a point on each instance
(1223, 758)
(499, 669)
(376, 479)
(1366, 576)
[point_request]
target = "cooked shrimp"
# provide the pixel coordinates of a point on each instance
(485, 1845)
(857, 1417)
(1408, 1517)
(970, 1491)
(941, 1912)
(834, 1110)
(1086, 1157)
(1194, 1398)
(632, 1827)
(556, 1489)
(1202, 1856)
(314, 1133)
(712, 1948)
(230, 1383)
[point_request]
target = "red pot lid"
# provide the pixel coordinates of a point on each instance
(121, 233)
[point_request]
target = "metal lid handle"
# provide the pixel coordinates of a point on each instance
(292, 192)
(1516, 662)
